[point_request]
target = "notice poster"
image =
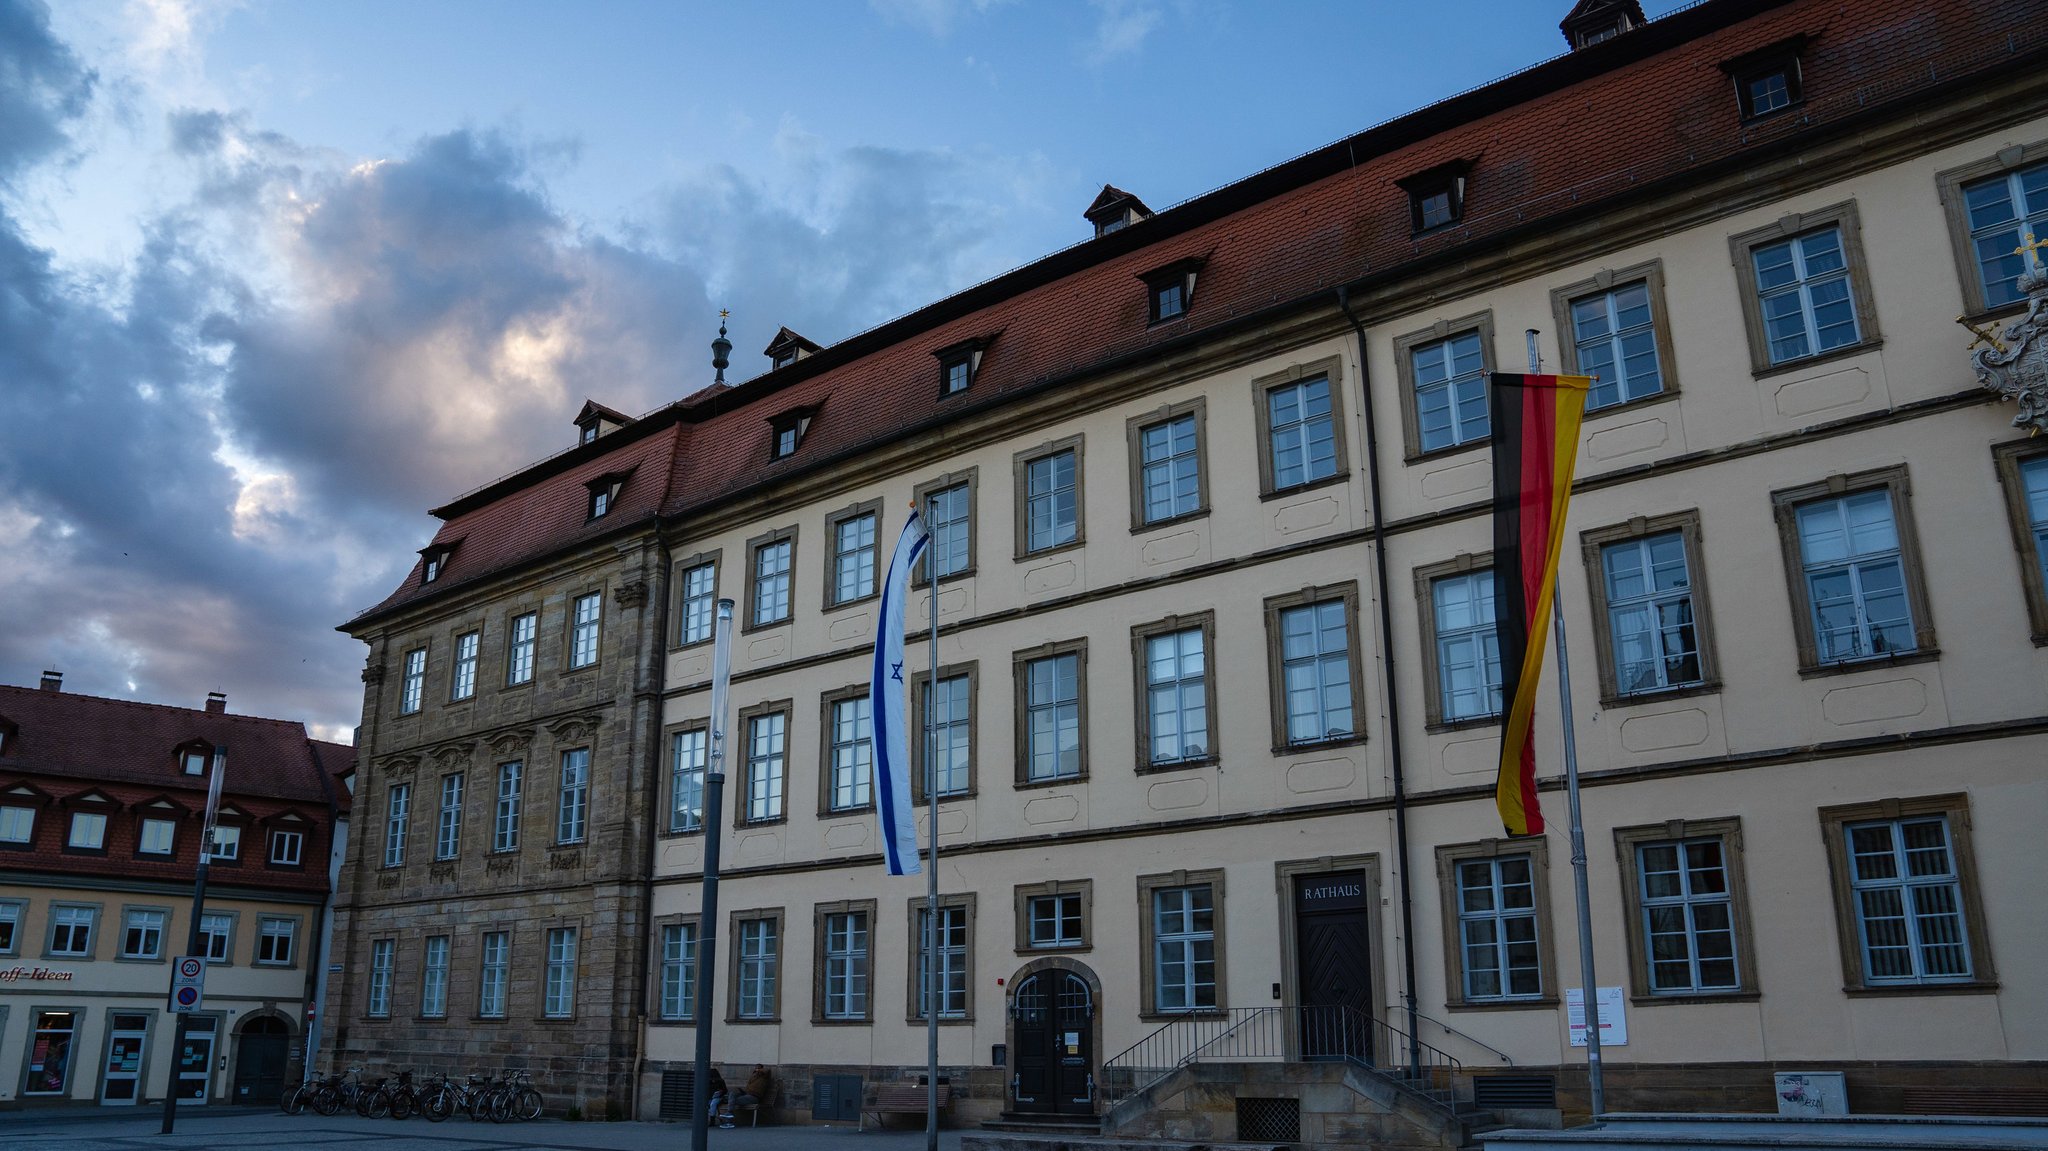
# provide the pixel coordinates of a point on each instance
(1613, 1022)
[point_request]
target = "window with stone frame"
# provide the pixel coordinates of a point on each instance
(1313, 667)
(1441, 374)
(688, 759)
(1994, 207)
(142, 934)
(1055, 915)
(1180, 922)
(558, 988)
(1688, 925)
(851, 573)
(1497, 924)
(947, 984)
(519, 649)
(1853, 562)
(697, 609)
(587, 618)
(434, 978)
(765, 728)
(756, 987)
(950, 716)
(1647, 583)
(413, 685)
(1167, 449)
(1175, 691)
(1049, 510)
(494, 966)
(947, 505)
(397, 815)
(1301, 439)
(848, 752)
(383, 957)
(572, 798)
(2023, 476)
(463, 683)
(678, 977)
(771, 581)
(1052, 712)
(448, 824)
(1908, 912)
(1805, 288)
(11, 911)
(1618, 333)
(1465, 643)
(843, 982)
(217, 936)
(71, 930)
(276, 941)
(505, 812)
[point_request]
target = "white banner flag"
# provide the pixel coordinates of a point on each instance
(889, 704)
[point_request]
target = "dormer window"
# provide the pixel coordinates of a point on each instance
(1436, 198)
(194, 757)
(8, 734)
(787, 348)
(1595, 21)
(786, 432)
(1767, 81)
(1114, 210)
(960, 363)
(434, 561)
(604, 493)
(595, 420)
(589, 433)
(1171, 290)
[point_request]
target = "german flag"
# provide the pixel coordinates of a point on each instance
(1535, 439)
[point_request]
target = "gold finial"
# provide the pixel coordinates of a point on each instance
(1983, 334)
(2029, 244)
(723, 314)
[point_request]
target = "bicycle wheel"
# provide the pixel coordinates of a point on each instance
(375, 1105)
(526, 1105)
(293, 1101)
(439, 1103)
(326, 1101)
(501, 1105)
(403, 1104)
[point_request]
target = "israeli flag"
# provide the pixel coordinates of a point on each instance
(889, 704)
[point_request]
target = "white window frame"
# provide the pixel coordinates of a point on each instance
(767, 765)
(953, 946)
(88, 831)
(226, 950)
(952, 768)
(287, 848)
(77, 926)
(1910, 890)
(572, 802)
(759, 959)
(1801, 289)
(279, 938)
(1185, 692)
(559, 1000)
(1170, 474)
(1471, 649)
(434, 978)
(520, 648)
(1057, 918)
(1627, 387)
(1497, 916)
(1180, 945)
(413, 691)
(227, 842)
(1636, 557)
(689, 759)
(700, 602)
(1052, 501)
(142, 934)
(448, 823)
(583, 634)
(679, 972)
(1051, 716)
(505, 813)
(951, 549)
(158, 836)
(846, 975)
(1304, 446)
(17, 824)
(10, 926)
(1857, 566)
(774, 573)
(397, 818)
(494, 964)
(1692, 905)
(2028, 218)
(851, 753)
(463, 683)
(853, 564)
(1312, 675)
(383, 953)
(1436, 369)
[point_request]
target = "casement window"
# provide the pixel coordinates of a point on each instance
(275, 939)
(949, 715)
(1619, 334)
(1181, 924)
(757, 982)
(786, 432)
(559, 989)
(1052, 710)
(493, 970)
(414, 686)
(142, 935)
(195, 759)
(583, 632)
(71, 930)
(397, 810)
(1688, 932)
(688, 759)
(10, 927)
(849, 750)
(1461, 648)
(519, 652)
(1049, 497)
(1312, 665)
(774, 560)
(942, 983)
(1054, 916)
(767, 731)
(227, 843)
(464, 684)
(678, 971)
(1768, 80)
(505, 816)
(955, 375)
(1176, 691)
(158, 837)
(1994, 206)
(842, 963)
(1805, 287)
(1856, 583)
(448, 828)
(1168, 482)
(604, 492)
(383, 957)
(1496, 922)
(1170, 290)
(2023, 474)
(851, 575)
(1907, 907)
(698, 612)
(434, 979)
(216, 936)
(1301, 426)
(287, 848)
(88, 831)
(1450, 391)
(1650, 612)
(17, 824)
(1436, 197)
(947, 505)
(572, 803)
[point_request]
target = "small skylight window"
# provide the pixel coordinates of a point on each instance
(1767, 81)
(960, 364)
(786, 432)
(1436, 197)
(604, 493)
(1170, 290)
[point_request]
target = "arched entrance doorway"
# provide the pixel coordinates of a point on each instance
(260, 1057)
(1054, 1029)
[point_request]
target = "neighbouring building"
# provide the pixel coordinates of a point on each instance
(1216, 706)
(102, 803)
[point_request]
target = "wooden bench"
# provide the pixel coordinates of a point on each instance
(902, 1099)
(1984, 1101)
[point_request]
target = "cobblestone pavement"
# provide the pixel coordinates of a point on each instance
(233, 1129)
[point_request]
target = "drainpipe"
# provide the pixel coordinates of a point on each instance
(1392, 682)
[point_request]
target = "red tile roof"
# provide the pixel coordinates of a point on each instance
(1547, 145)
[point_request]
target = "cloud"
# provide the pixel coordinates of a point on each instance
(42, 86)
(1120, 29)
(937, 17)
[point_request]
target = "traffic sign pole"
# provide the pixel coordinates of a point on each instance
(183, 983)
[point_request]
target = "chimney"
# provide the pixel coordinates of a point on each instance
(216, 702)
(53, 681)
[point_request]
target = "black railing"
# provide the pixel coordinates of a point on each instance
(1286, 1034)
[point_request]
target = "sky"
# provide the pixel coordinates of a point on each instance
(277, 277)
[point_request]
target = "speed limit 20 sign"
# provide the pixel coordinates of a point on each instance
(188, 982)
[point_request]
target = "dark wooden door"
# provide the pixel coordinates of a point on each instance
(1055, 1046)
(260, 1060)
(1333, 966)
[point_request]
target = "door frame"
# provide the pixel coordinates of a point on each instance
(221, 1034)
(234, 1053)
(1285, 872)
(1069, 965)
(149, 1038)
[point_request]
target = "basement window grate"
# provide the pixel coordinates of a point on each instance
(678, 1099)
(1514, 1091)
(1268, 1120)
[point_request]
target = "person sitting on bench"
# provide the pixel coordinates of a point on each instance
(750, 1097)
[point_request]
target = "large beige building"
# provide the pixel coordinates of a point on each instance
(1217, 692)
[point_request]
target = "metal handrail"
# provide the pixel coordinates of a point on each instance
(1287, 1034)
(1504, 1056)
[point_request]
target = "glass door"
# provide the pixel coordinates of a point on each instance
(195, 1059)
(121, 1078)
(49, 1053)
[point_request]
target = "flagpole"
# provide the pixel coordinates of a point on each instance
(1590, 993)
(931, 871)
(707, 913)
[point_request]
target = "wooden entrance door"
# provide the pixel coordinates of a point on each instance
(260, 1059)
(1333, 965)
(1055, 1023)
